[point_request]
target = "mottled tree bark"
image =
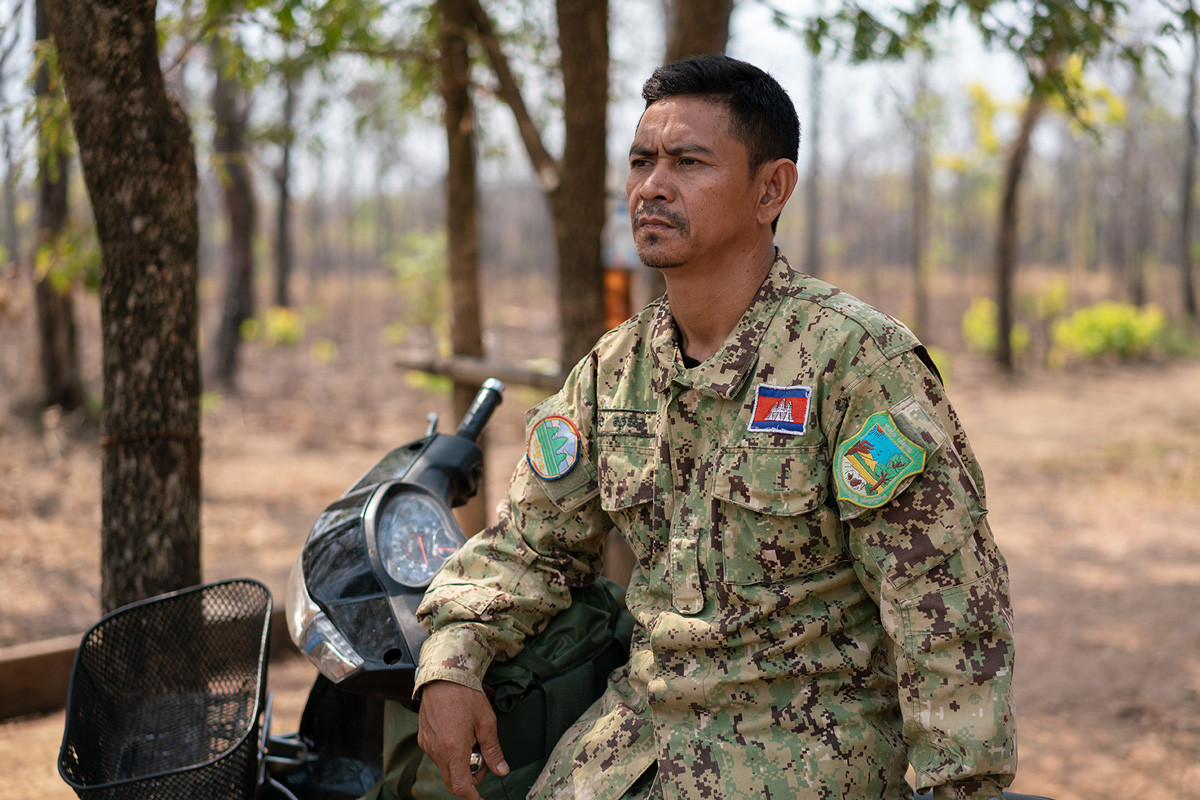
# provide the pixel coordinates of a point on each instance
(138, 162)
(462, 219)
(58, 351)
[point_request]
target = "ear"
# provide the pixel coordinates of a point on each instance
(776, 181)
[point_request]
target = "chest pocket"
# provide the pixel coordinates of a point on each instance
(627, 472)
(771, 522)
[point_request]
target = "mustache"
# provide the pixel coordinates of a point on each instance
(660, 210)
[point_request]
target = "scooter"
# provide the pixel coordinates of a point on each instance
(168, 696)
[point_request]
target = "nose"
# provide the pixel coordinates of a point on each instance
(656, 183)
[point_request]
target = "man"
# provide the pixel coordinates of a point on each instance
(818, 598)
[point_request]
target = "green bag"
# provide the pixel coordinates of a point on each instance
(537, 695)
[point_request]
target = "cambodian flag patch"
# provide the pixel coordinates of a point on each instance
(781, 409)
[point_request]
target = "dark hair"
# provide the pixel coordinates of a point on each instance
(762, 116)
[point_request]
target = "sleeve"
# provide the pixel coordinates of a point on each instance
(507, 582)
(923, 549)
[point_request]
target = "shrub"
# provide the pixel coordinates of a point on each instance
(1108, 329)
(981, 329)
(279, 327)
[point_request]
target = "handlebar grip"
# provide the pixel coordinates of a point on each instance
(486, 401)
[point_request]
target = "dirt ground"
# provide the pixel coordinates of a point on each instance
(1093, 480)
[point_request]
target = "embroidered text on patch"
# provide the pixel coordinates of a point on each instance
(781, 409)
(553, 447)
(871, 464)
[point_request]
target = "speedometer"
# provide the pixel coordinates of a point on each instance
(415, 537)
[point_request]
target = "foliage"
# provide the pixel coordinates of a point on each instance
(279, 327)
(1044, 36)
(981, 329)
(1109, 329)
(49, 114)
(71, 258)
(1051, 302)
(323, 350)
(419, 266)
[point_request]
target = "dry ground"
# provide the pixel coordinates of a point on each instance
(1093, 485)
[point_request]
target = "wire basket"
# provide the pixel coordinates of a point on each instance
(166, 695)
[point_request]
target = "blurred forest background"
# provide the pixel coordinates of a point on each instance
(290, 223)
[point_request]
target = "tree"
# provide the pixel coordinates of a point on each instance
(231, 116)
(574, 185)
(1044, 37)
(1188, 287)
(58, 352)
(9, 37)
(462, 206)
(139, 166)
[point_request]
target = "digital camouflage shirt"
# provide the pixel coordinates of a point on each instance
(819, 601)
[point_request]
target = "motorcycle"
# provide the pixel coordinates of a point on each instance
(168, 695)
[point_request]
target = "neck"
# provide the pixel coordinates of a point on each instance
(707, 303)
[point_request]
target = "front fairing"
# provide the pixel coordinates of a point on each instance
(345, 582)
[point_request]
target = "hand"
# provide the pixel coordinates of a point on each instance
(452, 719)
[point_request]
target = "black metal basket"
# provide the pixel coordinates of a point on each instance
(166, 695)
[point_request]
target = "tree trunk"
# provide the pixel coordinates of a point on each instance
(1006, 249)
(812, 258)
(702, 29)
(12, 235)
(575, 185)
(58, 353)
(283, 210)
(921, 203)
(578, 201)
(1188, 286)
(231, 110)
(140, 170)
(462, 226)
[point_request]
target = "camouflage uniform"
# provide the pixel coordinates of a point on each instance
(799, 635)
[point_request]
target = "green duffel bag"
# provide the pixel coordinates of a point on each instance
(537, 695)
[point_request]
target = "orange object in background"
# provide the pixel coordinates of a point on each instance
(618, 296)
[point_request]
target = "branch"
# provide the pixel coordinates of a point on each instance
(548, 170)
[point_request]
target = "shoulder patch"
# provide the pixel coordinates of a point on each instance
(780, 409)
(553, 447)
(872, 464)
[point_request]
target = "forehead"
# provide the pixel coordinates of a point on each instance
(685, 118)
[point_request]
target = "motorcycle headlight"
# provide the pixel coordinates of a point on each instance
(314, 634)
(415, 534)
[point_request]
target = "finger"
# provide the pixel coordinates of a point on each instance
(461, 782)
(489, 744)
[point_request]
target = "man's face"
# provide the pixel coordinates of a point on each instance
(691, 195)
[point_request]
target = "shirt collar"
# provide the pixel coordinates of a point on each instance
(724, 373)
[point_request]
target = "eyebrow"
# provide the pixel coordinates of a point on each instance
(684, 148)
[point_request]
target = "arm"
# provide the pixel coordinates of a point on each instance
(504, 585)
(928, 559)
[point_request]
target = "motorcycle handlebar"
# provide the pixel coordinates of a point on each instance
(486, 401)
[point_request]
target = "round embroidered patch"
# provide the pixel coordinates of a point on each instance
(553, 447)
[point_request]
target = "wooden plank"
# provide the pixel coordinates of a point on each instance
(476, 370)
(34, 677)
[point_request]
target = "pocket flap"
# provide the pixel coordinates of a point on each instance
(626, 475)
(774, 480)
